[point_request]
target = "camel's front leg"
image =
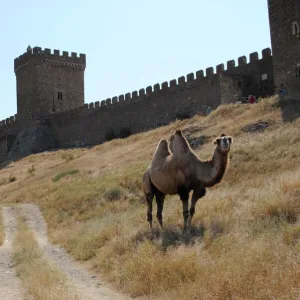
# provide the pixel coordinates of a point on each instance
(184, 197)
(197, 194)
(148, 189)
(149, 198)
(160, 197)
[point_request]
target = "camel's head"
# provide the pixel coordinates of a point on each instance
(223, 143)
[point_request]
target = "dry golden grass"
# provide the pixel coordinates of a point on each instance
(40, 279)
(2, 233)
(245, 239)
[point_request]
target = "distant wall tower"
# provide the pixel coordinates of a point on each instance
(49, 82)
(284, 18)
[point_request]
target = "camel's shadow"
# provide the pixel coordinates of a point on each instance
(172, 236)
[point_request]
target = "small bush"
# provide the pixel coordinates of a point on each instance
(110, 135)
(125, 132)
(31, 170)
(12, 178)
(292, 236)
(112, 194)
(64, 174)
(67, 156)
(284, 211)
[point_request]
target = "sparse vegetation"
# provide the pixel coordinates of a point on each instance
(112, 194)
(5, 180)
(40, 279)
(12, 178)
(64, 174)
(245, 239)
(67, 156)
(31, 170)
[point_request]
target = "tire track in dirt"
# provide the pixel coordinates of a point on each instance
(86, 285)
(10, 286)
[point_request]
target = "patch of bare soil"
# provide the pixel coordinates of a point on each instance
(10, 288)
(259, 126)
(86, 284)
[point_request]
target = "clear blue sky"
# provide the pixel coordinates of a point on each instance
(130, 44)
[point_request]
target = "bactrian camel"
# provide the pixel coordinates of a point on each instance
(181, 172)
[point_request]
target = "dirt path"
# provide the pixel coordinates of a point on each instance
(10, 287)
(86, 285)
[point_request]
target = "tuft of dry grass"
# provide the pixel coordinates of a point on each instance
(245, 239)
(12, 178)
(31, 170)
(9, 179)
(40, 279)
(67, 156)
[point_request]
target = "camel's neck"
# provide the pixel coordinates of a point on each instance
(214, 169)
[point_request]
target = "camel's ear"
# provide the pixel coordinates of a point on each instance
(230, 139)
(217, 141)
(223, 134)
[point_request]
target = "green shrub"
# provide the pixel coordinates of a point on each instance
(64, 174)
(112, 194)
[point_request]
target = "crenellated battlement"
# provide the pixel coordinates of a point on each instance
(46, 56)
(8, 121)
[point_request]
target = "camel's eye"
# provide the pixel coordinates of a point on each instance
(230, 140)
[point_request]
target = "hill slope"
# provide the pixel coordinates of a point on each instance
(246, 230)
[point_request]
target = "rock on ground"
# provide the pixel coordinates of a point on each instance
(32, 140)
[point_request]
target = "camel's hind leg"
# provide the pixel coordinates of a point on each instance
(197, 194)
(160, 197)
(184, 197)
(149, 198)
(148, 189)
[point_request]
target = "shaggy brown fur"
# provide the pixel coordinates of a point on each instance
(181, 172)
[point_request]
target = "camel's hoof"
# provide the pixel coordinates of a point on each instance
(186, 231)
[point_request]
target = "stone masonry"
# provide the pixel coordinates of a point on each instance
(284, 18)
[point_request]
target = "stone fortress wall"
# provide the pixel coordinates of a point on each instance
(163, 103)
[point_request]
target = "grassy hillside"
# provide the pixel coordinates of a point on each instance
(246, 230)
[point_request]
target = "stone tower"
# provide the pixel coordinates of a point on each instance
(284, 18)
(49, 82)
